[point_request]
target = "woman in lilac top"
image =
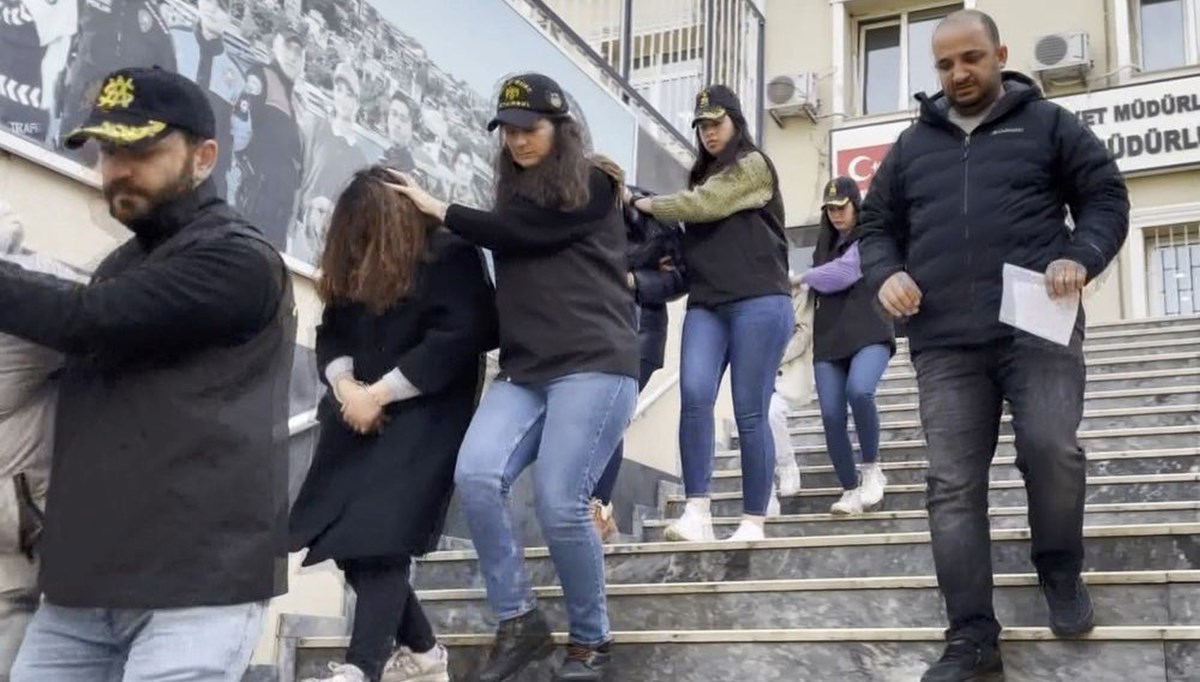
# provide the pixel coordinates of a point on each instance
(853, 341)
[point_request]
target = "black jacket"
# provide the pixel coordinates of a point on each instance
(170, 454)
(387, 494)
(651, 240)
(561, 290)
(845, 322)
(952, 209)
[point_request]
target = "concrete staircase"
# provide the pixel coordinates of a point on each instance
(854, 599)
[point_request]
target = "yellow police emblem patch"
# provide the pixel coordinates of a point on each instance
(117, 93)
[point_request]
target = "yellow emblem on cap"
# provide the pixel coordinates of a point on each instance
(117, 92)
(703, 99)
(832, 191)
(515, 93)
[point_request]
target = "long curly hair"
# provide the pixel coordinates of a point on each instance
(559, 182)
(377, 241)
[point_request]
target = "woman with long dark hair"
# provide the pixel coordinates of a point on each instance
(739, 313)
(852, 344)
(408, 311)
(569, 368)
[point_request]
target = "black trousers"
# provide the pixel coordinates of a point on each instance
(386, 612)
(962, 391)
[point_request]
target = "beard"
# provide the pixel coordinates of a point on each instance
(130, 204)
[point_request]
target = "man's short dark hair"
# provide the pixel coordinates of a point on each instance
(414, 110)
(983, 18)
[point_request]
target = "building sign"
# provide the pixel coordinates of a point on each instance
(1147, 127)
(306, 92)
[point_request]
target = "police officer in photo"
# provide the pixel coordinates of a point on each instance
(200, 54)
(165, 527)
(35, 39)
(270, 168)
(112, 34)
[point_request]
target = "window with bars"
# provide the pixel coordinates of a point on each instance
(1173, 269)
(895, 58)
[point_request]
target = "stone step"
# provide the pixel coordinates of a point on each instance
(1125, 362)
(1100, 489)
(1109, 654)
(1135, 463)
(1146, 598)
(1105, 440)
(1093, 400)
(813, 433)
(904, 383)
(1171, 340)
(1147, 547)
(917, 520)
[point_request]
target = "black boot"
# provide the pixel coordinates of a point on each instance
(585, 664)
(1069, 603)
(966, 661)
(519, 642)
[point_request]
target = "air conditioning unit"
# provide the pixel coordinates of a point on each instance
(1063, 56)
(788, 96)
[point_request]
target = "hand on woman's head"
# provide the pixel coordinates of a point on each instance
(424, 201)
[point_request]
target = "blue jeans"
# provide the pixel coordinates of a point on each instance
(748, 337)
(575, 421)
(608, 480)
(204, 644)
(852, 380)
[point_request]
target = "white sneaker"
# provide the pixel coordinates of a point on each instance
(405, 666)
(873, 482)
(750, 530)
(788, 474)
(341, 672)
(773, 507)
(851, 503)
(695, 525)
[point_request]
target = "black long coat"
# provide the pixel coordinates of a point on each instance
(387, 494)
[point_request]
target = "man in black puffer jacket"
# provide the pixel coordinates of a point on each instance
(984, 178)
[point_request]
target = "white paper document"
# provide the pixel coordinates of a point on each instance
(1027, 306)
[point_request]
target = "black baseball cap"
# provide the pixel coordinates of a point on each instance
(715, 102)
(841, 191)
(138, 105)
(528, 98)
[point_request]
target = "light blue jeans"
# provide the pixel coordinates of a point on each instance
(202, 644)
(570, 426)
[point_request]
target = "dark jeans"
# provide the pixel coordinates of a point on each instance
(851, 381)
(608, 480)
(961, 398)
(386, 613)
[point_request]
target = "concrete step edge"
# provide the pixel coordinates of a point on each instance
(775, 636)
(1003, 534)
(823, 585)
(1104, 508)
(997, 462)
(1133, 479)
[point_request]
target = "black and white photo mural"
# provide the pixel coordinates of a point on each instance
(305, 91)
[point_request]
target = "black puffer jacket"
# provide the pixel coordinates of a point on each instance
(649, 241)
(952, 209)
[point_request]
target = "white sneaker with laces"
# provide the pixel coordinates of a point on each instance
(406, 666)
(873, 483)
(695, 525)
(750, 530)
(788, 474)
(851, 503)
(341, 672)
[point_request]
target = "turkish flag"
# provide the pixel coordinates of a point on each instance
(861, 163)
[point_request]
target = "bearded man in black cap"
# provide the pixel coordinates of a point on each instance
(165, 527)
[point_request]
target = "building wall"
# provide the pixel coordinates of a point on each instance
(805, 36)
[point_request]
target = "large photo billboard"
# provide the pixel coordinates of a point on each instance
(305, 91)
